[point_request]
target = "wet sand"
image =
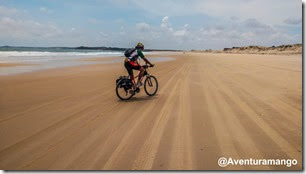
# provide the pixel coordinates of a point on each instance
(3, 65)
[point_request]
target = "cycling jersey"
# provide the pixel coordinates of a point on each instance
(131, 62)
(135, 55)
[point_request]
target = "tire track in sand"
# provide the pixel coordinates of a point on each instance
(121, 147)
(262, 124)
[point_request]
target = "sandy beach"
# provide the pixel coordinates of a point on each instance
(208, 106)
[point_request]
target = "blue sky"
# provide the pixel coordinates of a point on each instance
(161, 24)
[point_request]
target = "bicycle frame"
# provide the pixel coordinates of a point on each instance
(147, 74)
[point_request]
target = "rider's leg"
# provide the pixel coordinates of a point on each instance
(129, 70)
(133, 80)
(141, 72)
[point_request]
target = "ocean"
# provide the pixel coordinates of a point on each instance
(37, 58)
(38, 55)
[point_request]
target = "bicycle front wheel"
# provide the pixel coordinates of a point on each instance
(151, 85)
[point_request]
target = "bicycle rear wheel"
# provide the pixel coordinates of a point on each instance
(151, 85)
(123, 90)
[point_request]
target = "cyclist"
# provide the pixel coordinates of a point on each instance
(132, 62)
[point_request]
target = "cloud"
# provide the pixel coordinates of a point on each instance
(247, 32)
(143, 27)
(293, 20)
(197, 24)
(236, 33)
(244, 9)
(103, 34)
(4, 11)
(94, 21)
(254, 23)
(234, 18)
(258, 9)
(45, 10)
(18, 28)
(258, 27)
(182, 32)
(13, 12)
(239, 33)
(122, 31)
(165, 24)
(26, 29)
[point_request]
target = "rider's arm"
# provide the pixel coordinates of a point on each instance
(147, 61)
(143, 57)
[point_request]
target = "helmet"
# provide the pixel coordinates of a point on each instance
(139, 45)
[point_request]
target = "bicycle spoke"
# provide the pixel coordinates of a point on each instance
(150, 82)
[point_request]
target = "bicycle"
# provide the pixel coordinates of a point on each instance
(125, 87)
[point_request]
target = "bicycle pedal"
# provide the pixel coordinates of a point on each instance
(137, 90)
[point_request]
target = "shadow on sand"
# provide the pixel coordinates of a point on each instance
(139, 99)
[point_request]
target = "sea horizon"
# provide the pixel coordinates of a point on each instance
(38, 58)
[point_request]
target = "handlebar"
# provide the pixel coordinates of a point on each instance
(146, 66)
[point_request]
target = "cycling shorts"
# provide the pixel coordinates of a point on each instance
(129, 65)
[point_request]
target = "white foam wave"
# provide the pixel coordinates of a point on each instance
(32, 56)
(36, 53)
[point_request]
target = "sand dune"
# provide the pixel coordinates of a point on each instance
(276, 50)
(281, 49)
(208, 106)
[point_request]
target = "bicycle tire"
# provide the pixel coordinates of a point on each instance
(149, 80)
(117, 92)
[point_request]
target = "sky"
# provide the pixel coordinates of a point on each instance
(158, 24)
